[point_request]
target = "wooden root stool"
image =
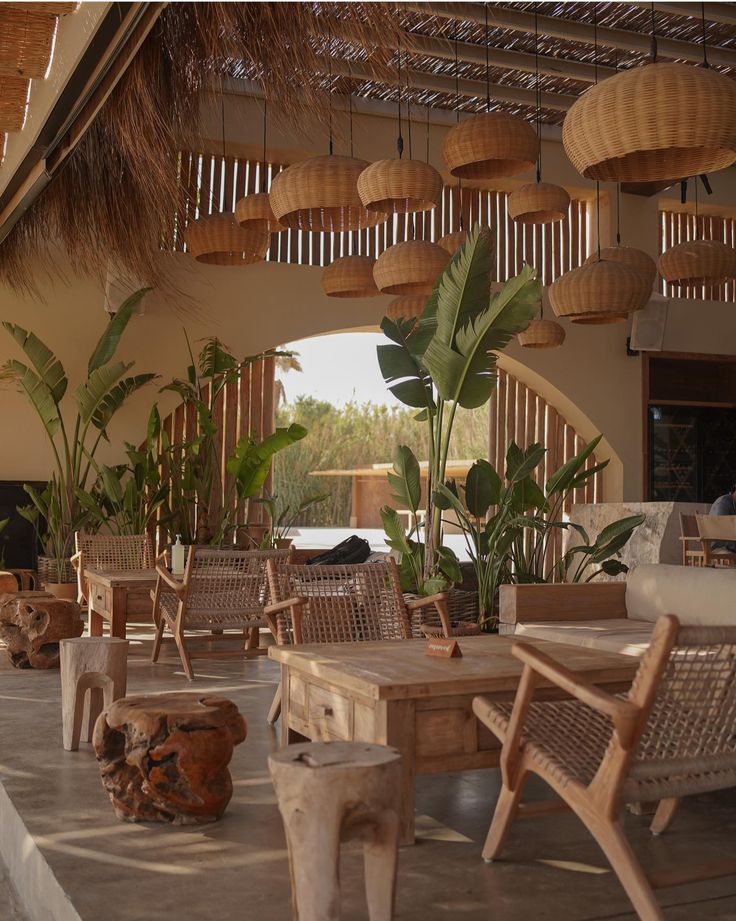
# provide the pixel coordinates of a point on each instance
(33, 623)
(332, 792)
(165, 758)
(93, 670)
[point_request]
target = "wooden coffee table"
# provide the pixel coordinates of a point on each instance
(112, 596)
(394, 694)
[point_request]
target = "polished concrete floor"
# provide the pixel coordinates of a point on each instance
(236, 870)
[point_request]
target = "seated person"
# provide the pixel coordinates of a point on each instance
(725, 505)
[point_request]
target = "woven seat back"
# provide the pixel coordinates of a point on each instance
(690, 735)
(350, 603)
(689, 527)
(717, 527)
(227, 583)
(115, 552)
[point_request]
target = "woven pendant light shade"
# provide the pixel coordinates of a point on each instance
(490, 146)
(453, 241)
(220, 240)
(542, 334)
(635, 258)
(412, 267)
(254, 212)
(321, 194)
(538, 203)
(350, 276)
(600, 292)
(698, 262)
(399, 186)
(650, 123)
(406, 307)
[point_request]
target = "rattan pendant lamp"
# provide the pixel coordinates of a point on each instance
(320, 194)
(655, 122)
(218, 239)
(400, 186)
(350, 276)
(490, 145)
(406, 307)
(538, 202)
(254, 212)
(697, 263)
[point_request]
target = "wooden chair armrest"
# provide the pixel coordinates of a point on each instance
(690, 537)
(74, 560)
(166, 577)
(295, 605)
(623, 714)
(424, 602)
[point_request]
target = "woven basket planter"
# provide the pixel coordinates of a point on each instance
(254, 213)
(490, 146)
(542, 334)
(538, 203)
(698, 262)
(406, 307)
(600, 292)
(412, 267)
(350, 276)
(48, 570)
(462, 608)
(650, 123)
(321, 194)
(401, 186)
(220, 240)
(453, 241)
(635, 258)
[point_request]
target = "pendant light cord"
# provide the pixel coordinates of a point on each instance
(457, 114)
(538, 95)
(488, 68)
(705, 45)
(654, 37)
(427, 133)
(329, 65)
(618, 214)
(399, 139)
(408, 105)
(597, 183)
(263, 173)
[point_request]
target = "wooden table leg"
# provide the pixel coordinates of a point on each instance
(119, 612)
(395, 726)
(94, 619)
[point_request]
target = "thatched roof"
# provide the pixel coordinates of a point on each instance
(114, 198)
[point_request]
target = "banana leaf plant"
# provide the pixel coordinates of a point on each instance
(508, 523)
(281, 521)
(445, 361)
(196, 464)
(74, 436)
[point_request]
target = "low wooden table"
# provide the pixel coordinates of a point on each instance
(112, 596)
(393, 694)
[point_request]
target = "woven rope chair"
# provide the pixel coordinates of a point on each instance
(221, 589)
(672, 735)
(110, 553)
(360, 602)
(714, 529)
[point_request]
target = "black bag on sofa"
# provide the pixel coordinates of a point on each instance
(353, 549)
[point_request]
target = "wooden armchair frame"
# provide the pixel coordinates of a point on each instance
(220, 590)
(110, 553)
(692, 547)
(670, 737)
(716, 529)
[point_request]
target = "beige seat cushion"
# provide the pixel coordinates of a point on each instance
(630, 637)
(697, 596)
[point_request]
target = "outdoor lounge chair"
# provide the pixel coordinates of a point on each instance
(220, 590)
(110, 553)
(672, 735)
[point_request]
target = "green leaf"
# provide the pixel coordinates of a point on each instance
(115, 398)
(520, 464)
(561, 480)
(215, 359)
(401, 371)
(47, 365)
(109, 340)
(251, 462)
(464, 286)
(395, 532)
(482, 488)
(39, 394)
(90, 395)
(405, 481)
(449, 564)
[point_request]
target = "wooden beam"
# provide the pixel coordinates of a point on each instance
(502, 18)
(725, 13)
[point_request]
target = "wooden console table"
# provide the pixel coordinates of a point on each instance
(112, 596)
(393, 694)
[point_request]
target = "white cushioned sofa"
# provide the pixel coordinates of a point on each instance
(619, 616)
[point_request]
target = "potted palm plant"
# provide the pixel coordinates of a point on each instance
(74, 429)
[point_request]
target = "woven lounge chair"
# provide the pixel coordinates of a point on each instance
(713, 529)
(220, 590)
(672, 735)
(110, 553)
(361, 602)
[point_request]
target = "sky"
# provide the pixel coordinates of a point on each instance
(338, 368)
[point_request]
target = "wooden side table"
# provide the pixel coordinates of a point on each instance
(113, 596)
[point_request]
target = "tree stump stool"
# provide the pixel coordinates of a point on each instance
(93, 669)
(332, 792)
(165, 758)
(33, 623)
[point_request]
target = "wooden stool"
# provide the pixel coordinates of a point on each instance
(93, 668)
(33, 623)
(165, 758)
(332, 792)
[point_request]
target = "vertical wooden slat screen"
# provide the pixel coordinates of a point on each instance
(517, 413)
(210, 184)
(680, 227)
(244, 407)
